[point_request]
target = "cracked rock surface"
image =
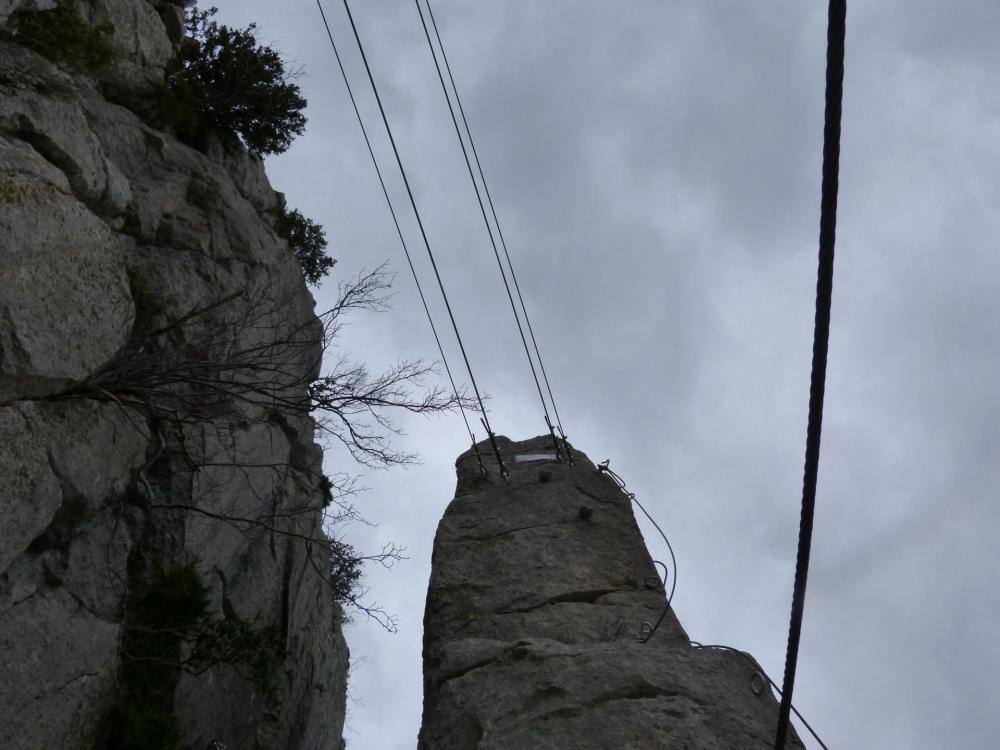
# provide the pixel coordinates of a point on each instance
(537, 594)
(109, 228)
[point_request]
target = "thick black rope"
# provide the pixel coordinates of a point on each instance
(399, 231)
(423, 234)
(482, 209)
(836, 31)
(496, 221)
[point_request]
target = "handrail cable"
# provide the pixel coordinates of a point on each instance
(486, 221)
(647, 630)
(766, 676)
(427, 244)
(496, 220)
(835, 35)
(605, 468)
(399, 231)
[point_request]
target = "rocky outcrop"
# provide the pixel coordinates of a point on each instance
(539, 590)
(111, 230)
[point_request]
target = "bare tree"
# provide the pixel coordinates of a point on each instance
(238, 354)
(244, 359)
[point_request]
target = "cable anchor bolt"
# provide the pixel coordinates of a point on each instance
(645, 632)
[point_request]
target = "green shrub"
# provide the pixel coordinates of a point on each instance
(169, 631)
(307, 241)
(63, 36)
(224, 82)
(234, 642)
(176, 599)
(345, 572)
(326, 487)
(132, 724)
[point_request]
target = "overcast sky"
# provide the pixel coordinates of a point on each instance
(656, 169)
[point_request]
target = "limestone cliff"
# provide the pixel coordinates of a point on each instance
(538, 591)
(134, 270)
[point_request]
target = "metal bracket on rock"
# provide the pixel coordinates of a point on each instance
(479, 458)
(645, 632)
(496, 450)
(555, 440)
(569, 451)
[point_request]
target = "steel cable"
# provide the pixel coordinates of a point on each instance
(644, 637)
(482, 208)
(604, 468)
(496, 220)
(767, 677)
(395, 221)
(836, 32)
(427, 244)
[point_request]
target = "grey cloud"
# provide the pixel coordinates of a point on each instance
(656, 168)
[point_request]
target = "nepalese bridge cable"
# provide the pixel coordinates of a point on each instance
(423, 234)
(395, 221)
(836, 33)
(489, 200)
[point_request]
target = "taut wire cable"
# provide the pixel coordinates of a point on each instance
(836, 32)
(648, 630)
(766, 676)
(486, 221)
(427, 244)
(496, 220)
(399, 231)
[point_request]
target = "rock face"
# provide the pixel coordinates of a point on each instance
(110, 231)
(539, 589)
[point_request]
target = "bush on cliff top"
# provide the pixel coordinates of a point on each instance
(64, 37)
(307, 241)
(224, 81)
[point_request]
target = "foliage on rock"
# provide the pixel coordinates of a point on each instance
(345, 572)
(169, 631)
(224, 82)
(132, 724)
(64, 37)
(307, 241)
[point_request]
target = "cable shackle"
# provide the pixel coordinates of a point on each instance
(555, 440)
(569, 451)
(496, 450)
(479, 458)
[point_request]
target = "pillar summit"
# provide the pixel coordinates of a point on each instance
(538, 591)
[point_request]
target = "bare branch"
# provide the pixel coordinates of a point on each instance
(252, 358)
